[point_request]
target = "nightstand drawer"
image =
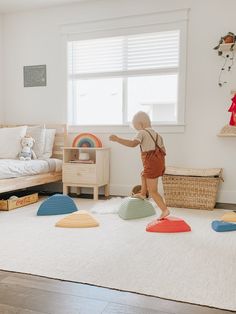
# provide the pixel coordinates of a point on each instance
(79, 173)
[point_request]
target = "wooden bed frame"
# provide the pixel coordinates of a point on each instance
(12, 184)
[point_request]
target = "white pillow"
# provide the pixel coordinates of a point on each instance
(49, 142)
(38, 133)
(10, 139)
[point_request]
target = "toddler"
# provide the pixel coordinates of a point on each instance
(153, 158)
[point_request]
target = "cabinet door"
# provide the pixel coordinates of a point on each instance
(80, 173)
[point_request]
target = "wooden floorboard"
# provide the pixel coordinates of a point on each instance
(28, 294)
(114, 308)
(6, 309)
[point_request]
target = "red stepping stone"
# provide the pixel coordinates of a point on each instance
(168, 225)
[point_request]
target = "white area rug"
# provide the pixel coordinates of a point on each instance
(197, 267)
(110, 206)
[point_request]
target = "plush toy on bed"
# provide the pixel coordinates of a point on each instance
(27, 152)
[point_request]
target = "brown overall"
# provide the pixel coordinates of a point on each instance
(153, 161)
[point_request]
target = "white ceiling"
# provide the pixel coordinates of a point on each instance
(10, 6)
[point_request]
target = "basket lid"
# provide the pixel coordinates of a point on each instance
(179, 171)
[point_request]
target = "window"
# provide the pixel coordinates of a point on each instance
(111, 78)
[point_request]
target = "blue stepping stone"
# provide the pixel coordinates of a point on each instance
(222, 226)
(57, 204)
(133, 208)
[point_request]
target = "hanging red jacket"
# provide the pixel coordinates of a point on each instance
(233, 110)
(233, 119)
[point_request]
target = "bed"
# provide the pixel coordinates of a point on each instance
(15, 174)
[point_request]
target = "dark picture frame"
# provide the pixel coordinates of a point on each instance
(35, 75)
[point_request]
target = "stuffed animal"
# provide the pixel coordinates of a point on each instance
(27, 152)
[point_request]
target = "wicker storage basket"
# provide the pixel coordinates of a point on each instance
(191, 188)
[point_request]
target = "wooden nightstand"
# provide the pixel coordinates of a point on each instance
(93, 173)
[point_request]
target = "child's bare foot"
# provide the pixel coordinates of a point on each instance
(139, 195)
(164, 214)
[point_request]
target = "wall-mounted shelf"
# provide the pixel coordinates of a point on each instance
(226, 47)
(228, 131)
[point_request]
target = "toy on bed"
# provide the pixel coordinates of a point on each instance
(27, 152)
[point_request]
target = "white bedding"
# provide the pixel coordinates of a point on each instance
(13, 168)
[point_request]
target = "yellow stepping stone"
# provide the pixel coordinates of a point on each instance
(79, 219)
(229, 217)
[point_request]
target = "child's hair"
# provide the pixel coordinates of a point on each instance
(141, 118)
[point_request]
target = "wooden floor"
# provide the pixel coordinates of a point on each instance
(27, 294)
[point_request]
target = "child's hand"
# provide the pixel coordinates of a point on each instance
(113, 138)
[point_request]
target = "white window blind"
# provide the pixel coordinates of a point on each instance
(153, 51)
(123, 74)
(116, 55)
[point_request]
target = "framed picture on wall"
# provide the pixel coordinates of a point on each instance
(35, 75)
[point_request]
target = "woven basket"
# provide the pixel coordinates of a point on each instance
(189, 191)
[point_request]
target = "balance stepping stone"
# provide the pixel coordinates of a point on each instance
(229, 217)
(80, 219)
(57, 204)
(223, 226)
(168, 225)
(134, 208)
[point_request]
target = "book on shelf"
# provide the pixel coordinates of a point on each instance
(90, 161)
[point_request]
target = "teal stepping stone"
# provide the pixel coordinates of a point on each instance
(223, 226)
(57, 204)
(134, 208)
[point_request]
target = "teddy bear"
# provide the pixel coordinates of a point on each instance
(27, 152)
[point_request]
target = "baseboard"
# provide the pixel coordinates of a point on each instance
(228, 197)
(226, 206)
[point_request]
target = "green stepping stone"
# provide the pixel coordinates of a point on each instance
(134, 208)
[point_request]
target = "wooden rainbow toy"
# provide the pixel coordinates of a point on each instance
(86, 140)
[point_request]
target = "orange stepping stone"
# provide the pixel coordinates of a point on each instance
(168, 225)
(79, 219)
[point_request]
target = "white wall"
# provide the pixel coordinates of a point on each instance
(34, 38)
(1, 71)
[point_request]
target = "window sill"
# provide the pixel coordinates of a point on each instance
(108, 129)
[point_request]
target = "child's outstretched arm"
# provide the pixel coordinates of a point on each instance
(123, 141)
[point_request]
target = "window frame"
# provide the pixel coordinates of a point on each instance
(167, 21)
